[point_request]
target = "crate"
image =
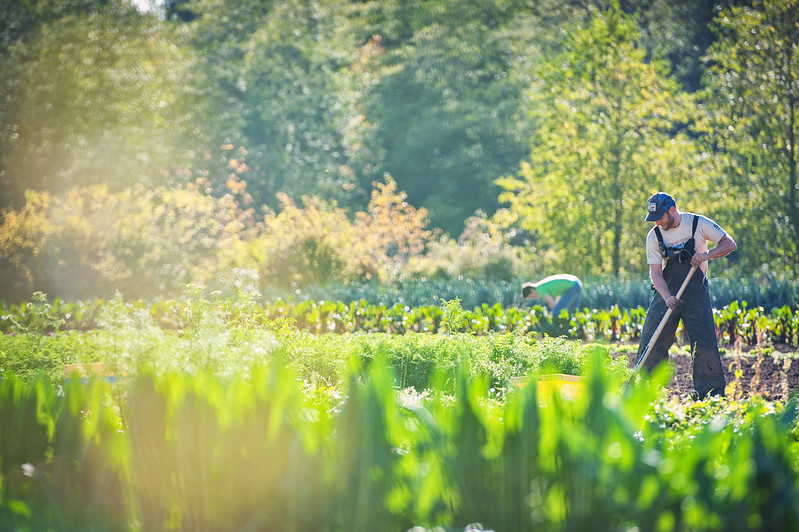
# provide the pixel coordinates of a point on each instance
(87, 371)
(567, 387)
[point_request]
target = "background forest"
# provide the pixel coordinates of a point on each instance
(255, 144)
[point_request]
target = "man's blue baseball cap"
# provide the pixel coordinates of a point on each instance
(657, 206)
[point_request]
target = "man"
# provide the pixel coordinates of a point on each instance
(560, 292)
(677, 242)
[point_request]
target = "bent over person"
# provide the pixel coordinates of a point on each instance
(678, 241)
(562, 291)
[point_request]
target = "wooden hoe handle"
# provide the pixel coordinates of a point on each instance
(663, 321)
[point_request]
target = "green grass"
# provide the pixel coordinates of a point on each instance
(32, 356)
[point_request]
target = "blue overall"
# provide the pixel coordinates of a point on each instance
(569, 300)
(696, 313)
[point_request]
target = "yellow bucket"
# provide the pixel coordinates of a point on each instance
(568, 387)
(84, 371)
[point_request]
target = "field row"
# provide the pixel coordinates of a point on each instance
(737, 323)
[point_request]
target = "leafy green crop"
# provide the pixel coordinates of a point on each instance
(186, 451)
(738, 322)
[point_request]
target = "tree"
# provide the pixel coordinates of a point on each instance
(608, 133)
(392, 231)
(21, 18)
(279, 78)
(95, 97)
(679, 31)
(442, 102)
(753, 99)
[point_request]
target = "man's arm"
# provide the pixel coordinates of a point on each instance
(725, 246)
(656, 274)
(551, 301)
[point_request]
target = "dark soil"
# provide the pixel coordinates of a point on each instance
(772, 373)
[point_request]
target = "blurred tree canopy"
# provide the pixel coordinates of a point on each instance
(278, 81)
(98, 94)
(550, 119)
(610, 131)
(753, 100)
(444, 103)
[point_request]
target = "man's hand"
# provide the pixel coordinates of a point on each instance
(698, 259)
(672, 302)
(656, 274)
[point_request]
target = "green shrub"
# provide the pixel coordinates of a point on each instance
(476, 290)
(92, 242)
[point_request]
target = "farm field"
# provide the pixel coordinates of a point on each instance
(221, 415)
(289, 265)
(758, 346)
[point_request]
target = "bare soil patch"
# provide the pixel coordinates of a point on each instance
(772, 373)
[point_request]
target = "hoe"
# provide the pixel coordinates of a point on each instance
(663, 322)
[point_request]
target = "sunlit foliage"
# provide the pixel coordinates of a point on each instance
(92, 242)
(607, 136)
(753, 80)
(198, 451)
(95, 95)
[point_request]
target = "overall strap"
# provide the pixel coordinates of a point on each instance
(693, 230)
(689, 245)
(660, 235)
(661, 245)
